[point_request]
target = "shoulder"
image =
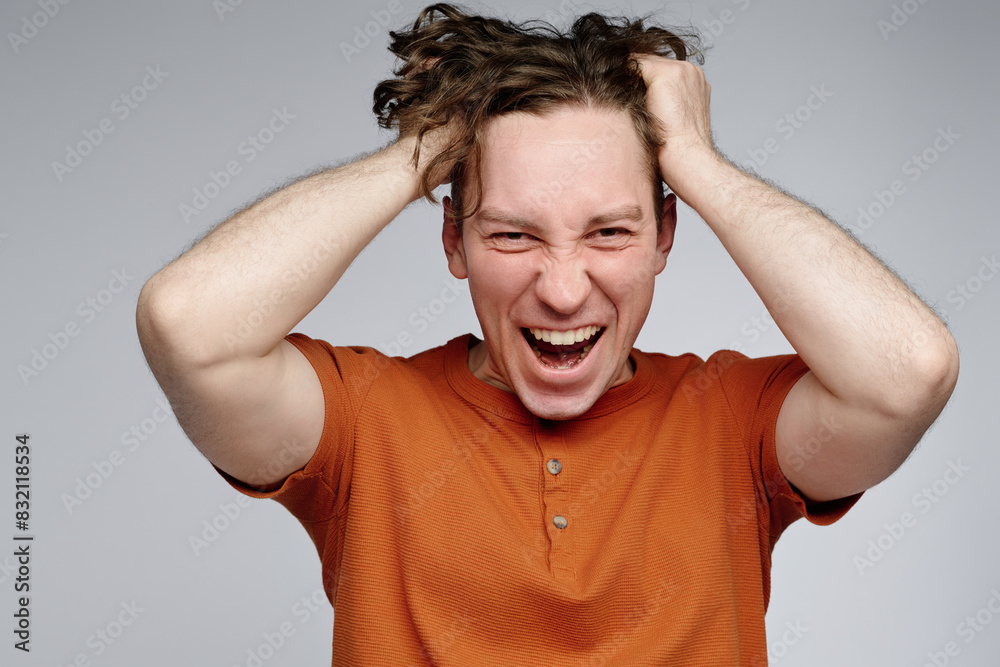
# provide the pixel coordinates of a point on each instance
(317, 347)
(723, 371)
(358, 367)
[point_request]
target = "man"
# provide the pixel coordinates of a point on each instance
(548, 495)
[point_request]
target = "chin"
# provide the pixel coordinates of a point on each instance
(553, 394)
(556, 408)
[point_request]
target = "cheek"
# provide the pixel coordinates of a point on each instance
(502, 276)
(497, 282)
(624, 277)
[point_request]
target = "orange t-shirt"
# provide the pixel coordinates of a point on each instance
(455, 528)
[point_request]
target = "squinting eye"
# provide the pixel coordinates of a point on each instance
(508, 236)
(610, 231)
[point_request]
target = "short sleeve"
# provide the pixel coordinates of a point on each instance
(755, 389)
(313, 492)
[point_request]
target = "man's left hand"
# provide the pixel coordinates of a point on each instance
(851, 320)
(678, 95)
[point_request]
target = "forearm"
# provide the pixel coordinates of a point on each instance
(241, 289)
(861, 331)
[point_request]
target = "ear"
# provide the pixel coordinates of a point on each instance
(454, 248)
(665, 237)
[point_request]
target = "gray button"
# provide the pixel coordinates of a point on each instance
(559, 521)
(553, 466)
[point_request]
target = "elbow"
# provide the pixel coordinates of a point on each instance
(943, 371)
(939, 370)
(152, 312)
(930, 380)
(148, 315)
(159, 324)
(147, 306)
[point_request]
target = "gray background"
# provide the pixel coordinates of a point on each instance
(63, 236)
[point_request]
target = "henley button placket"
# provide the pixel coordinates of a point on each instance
(556, 500)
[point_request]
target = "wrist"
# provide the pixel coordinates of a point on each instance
(694, 173)
(396, 162)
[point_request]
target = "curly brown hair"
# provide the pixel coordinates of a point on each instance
(473, 68)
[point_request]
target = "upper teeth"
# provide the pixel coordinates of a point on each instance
(565, 337)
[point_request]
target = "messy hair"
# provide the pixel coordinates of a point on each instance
(474, 68)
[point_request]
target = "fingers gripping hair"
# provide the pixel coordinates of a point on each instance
(469, 69)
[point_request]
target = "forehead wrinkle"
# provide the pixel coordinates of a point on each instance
(505, 217)
(626, 212)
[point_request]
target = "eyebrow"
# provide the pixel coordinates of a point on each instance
(628, 212)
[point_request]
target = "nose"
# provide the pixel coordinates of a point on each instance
(564, 284)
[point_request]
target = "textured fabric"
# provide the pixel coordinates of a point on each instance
(431, 503)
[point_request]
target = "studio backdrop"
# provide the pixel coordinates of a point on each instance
(132, 128)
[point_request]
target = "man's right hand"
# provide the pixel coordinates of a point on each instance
(212, 323)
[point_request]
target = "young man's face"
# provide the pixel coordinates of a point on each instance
(564, 247)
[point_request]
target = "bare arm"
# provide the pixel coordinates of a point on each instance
(882, 364)
(212, 322)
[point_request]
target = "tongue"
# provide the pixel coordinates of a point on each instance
(561, 359)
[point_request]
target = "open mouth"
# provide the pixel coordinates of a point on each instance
(562, 349)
